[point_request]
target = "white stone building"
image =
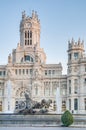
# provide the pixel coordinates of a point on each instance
(27, 72)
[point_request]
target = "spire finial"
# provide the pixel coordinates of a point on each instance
(72, 41)
(33, 14)
(79, 41)
(23, 14)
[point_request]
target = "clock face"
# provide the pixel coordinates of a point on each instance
(28, 25)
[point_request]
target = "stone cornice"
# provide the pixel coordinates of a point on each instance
(3, 66)
(79, 48)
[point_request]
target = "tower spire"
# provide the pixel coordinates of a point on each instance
(23, 15)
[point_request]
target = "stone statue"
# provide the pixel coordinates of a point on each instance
(31, 106)
(9, 74)
(28, 101)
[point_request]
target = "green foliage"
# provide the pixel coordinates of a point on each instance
(67, 118)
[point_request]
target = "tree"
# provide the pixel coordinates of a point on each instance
(67, 118)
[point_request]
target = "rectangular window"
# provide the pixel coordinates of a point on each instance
(16, 71)
(0, 73)
(19, 71)
(23, 71)
(75, 104)
(69, 90)
(75, 86)
(75, 89)
(49, 72)
(85, 103)
(31, 71)
(53, 72)
(4, 73)
(69, 56)
(26, 71)
(76, 55)
(28, 42)
(30, 34)
(69, 104)
(45, 72)
(69, 86)
(25, 42)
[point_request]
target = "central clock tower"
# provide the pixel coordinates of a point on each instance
(29, 50)
(30, 30)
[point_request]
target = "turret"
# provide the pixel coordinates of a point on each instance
(75, 54)
(75, 50)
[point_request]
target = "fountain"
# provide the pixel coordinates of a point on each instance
(34, 107)
(9, 97)
(58, 101)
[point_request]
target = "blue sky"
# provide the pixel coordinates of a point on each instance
(60, 21)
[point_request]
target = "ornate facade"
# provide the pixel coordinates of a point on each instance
(27, 72)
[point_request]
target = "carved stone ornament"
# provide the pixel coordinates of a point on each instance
(9, 74)
(36, 74)
(75, 69)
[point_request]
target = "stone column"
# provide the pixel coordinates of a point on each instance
(81, 105)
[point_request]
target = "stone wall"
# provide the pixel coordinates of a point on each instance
(30, 120)
(39, 120)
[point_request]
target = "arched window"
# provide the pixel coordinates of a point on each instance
(30, 34)
(25, 42)
(25, 34)
(28, 37)
(28, 58)
(28, 42)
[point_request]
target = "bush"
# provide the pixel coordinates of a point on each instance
(67, 118)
